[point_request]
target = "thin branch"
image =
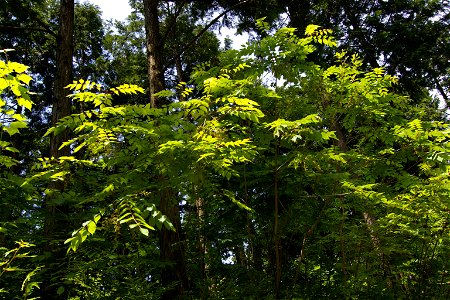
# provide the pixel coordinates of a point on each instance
(442, 92)
(177, 13)
(327, 196)
(311, 231)
(195, 39)
(10, 27)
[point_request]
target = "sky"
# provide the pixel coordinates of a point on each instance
(119, 10)
(113, 9)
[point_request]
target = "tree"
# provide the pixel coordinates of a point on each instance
(321, 137)
(14, 99)
(271, 168)
(55, 223)
(395, 35)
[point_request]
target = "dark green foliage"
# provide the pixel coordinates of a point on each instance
(407, 37)
(293, 179)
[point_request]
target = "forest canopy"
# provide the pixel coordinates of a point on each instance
(142, 159)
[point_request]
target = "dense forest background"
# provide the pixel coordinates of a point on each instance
(143, 160)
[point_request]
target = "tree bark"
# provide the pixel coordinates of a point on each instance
(154, 45)
(200, 203)
(442, 92)
(171, 247)
(369, 219)
(276, 239)
(64, 69)
(55, 226)
(180, 76)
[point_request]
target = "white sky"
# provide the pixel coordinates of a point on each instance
(112, 9)
(119, 10)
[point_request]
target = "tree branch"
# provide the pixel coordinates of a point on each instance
(178, 10)
(195, 39)
(442, 92)
(10, 27)
(45, 26)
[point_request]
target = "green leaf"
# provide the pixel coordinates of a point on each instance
(144, 231)
(12, 269)
(17, 67)
(14, 127)
(60, 290)
(91, 227)
(3, 85)
(24, 78)
(311, 29)
(69, 240)
(12, 149)
(78, 148)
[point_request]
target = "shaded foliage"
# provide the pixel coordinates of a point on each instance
(297, 169)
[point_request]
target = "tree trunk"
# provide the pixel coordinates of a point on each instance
(64, 68)
(154, 50)
(200, 203)
(276, 239)
(241, 257)
(369, 219)
(254, 247)
(171, 247)
(180, 77)
(55, 226)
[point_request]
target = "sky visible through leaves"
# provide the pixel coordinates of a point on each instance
(120, 9)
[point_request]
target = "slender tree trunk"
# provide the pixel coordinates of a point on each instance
(369, 219)
(200, 203)
(55, 226)
(385, 265)
(276, 239)
(180, 77)
(342, 245)
(241, 257)
(255, 246)
(255, 252)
